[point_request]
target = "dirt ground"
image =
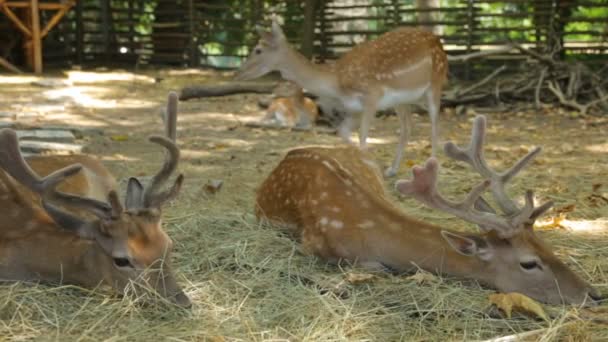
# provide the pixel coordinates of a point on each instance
(231, 266)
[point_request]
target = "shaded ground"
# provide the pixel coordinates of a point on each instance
(249, 282)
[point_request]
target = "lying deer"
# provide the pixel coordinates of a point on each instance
(334, 201)
(401, 67)
(70, 227)
(291, 108)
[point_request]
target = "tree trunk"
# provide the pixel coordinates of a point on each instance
(426, 16)
(308, 34)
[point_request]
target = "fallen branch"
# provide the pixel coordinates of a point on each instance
(538, 87)
(541, 58)
(9, 66)
(225, 89)
(479, 54)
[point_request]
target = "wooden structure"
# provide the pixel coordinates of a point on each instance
(29, 24)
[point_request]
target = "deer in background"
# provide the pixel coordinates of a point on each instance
(291, 108)
(70, 227)
(334, 201)
(401, 67)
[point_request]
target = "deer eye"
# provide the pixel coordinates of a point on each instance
(122, 262)
(257, 51)
(529, 265)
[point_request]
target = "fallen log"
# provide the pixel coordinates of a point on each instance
(188, 93)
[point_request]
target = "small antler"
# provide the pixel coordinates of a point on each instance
(474, 208)
(12, 161)
(151, 195)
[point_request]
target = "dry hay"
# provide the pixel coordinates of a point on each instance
(251, 282)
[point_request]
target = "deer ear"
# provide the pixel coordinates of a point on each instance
(276, 31)
(135, 194)
(468, 245)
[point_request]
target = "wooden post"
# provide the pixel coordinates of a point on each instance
(470, 30)
(323, 28)
(105, 29)
(79, 34)
(193, 42)
(36, 39)
(308, 34)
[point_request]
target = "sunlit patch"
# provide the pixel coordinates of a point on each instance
(602, 148)
(586, 225)
(378, 140)
(92, 77)
(89, 97)
(599, 225)
(189, 154)
(18, 79)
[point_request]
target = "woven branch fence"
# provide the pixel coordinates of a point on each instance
(220, 33)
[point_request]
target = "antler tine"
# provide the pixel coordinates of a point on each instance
(171, 116)
(473, 155)
(151, 197)
(423, 187)
(12, 161)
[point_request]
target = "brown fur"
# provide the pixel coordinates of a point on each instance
(333, 200)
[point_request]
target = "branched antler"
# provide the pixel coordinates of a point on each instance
(474, 208)
(12, 161)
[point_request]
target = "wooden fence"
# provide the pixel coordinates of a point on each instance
(219, 33)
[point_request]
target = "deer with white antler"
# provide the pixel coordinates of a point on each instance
(401, 67)
(334, 201)
(70, 227)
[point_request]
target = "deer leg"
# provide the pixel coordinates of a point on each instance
(433, 98)
(345, 128)
(304, 121)
(404, 114)
(369, 110)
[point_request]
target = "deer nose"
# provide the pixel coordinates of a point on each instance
(596, 296)
(182, 300)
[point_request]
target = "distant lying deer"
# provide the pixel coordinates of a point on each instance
(401, 67)
(291, 108)
(334, 201)
(70, 227)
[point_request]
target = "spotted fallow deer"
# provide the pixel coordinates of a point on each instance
(401, 67)
(333, 200)
(291, 108)
(69, 227)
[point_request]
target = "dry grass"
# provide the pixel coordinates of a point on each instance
(251, 282)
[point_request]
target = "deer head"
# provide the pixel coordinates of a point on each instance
(515, 259)
(270, 51)
(129, 237)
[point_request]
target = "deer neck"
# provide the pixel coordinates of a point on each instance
(315, 78)
(407, 244)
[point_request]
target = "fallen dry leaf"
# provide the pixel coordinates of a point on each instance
(213, 186)
(119, 137)
(423, 277)
(554, 223)
(358, 278)
(513, 300)
(410, 163)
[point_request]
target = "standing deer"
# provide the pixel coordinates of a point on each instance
(400, 67)
(291, 108)
(70, 227)
(335, 203)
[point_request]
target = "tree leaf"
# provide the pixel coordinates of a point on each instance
(513, 300)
